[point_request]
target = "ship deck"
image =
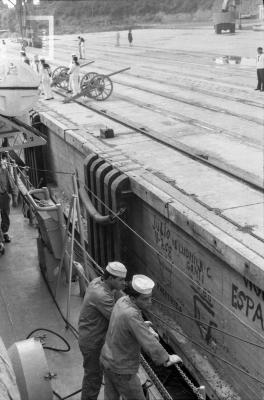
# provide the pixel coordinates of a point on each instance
(186, 129)
(26, 305)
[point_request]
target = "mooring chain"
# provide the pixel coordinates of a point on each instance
(155, 379)
(189, 382)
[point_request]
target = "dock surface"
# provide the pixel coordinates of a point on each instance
(187, 129)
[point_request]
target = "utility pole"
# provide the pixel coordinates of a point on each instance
(19, 10)
(240, 14)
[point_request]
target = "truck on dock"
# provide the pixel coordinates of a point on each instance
(225, 19)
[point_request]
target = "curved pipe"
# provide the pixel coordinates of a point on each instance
(94, 214)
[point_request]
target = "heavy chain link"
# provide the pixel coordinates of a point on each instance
(155, 379)
(165, 394)
(189, 382)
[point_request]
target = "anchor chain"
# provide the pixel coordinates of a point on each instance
(155, 379)
(189, 382)
(165, 394)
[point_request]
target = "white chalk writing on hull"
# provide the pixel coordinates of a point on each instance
(173, 248)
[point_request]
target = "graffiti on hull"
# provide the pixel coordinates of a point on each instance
(248, 300)
(183, 255)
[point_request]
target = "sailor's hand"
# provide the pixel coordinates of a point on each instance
(173, 359)
(151, 330)
(148, 323)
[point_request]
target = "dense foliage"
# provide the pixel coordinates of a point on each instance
(91, 15)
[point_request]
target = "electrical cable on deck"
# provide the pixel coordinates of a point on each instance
(54, 333)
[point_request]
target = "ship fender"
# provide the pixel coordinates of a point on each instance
(109, 190)
(31, 370)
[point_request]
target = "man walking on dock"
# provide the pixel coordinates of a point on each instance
(126, 334)
(94, 318)
(260, 69)
(7, 187)
(81, 47)
(130, 37)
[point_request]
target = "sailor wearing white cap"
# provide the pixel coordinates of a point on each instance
(45, 74)
(81, 47)
(70, 89)
(94, 318)
(126, 335)
(74, 71)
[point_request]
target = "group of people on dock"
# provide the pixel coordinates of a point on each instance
(129, 37)
(112, 333)
(42, 68)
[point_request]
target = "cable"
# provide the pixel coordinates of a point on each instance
(47, 170)
(157, 252)
(180, 312)
(167, 306)
(68, 396)
(101, 271)
(170, 262)
(56, 334)
(199, 345)
(205, 349)
(206, 324)
(68, 324)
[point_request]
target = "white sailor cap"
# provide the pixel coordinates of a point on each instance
(74, 55)
(117, 269)
(142, 284)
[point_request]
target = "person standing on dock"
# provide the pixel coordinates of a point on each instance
(35, 64)
(45, 75)
(117, 39)
(74, 72)
(3, 48)
(24, 57)
(260, 69)
(81, 47)
(7, 188)
(126, 335)
(94, 318)
(130, 37)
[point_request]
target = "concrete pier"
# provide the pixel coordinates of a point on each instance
(195, 226)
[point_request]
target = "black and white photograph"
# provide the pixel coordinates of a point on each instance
(132, 199)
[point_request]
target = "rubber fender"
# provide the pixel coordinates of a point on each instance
(94, 214)
(31, 369)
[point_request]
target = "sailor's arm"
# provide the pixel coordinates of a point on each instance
(150, 344)
(105, 305)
